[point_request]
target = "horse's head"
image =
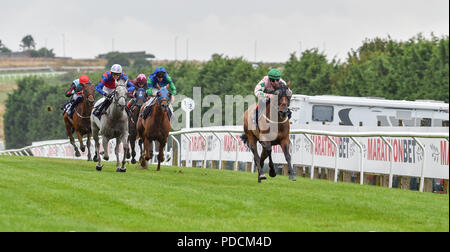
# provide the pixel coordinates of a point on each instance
(121, 94)
(89, 93)
(163, 98)
(284, 97)
(140, 95)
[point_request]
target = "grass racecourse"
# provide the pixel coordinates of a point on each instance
(42, 194)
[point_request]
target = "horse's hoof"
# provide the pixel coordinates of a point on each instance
(83, 149)
(99, 168)
(95, 159)
(293, 178)
(272, 173)
(261, 177)
(106, 158)
(121, 170)
(77, 154)
(128, 156)
(133, 161)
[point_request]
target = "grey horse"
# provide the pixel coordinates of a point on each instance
(112, 124)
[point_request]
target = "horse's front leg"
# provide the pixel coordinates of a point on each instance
(133, 147)
(116, 151)
(70, 135)
(80, 140)
(285, 144)
(88, 145)
(267, 152)
(97, 157)
(252, 143)
(125, 150)
(160, 155)
(105, 142)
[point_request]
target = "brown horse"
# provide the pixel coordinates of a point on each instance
(271, 131)
(80, 123)
(135, 108)
(155, 127)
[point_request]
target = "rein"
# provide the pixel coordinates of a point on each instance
(270, 121)
(83, 117)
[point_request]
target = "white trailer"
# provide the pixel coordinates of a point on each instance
(366, 111)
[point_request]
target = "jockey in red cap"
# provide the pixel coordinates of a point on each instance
(74, 90)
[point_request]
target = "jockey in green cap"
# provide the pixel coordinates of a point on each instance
(265, 89)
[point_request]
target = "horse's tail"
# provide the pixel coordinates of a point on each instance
(244, 138)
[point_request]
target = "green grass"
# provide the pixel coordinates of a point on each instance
(42, 194)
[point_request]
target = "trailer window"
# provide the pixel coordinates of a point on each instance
(425, 122)
(322, 113)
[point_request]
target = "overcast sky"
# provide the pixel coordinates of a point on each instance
(229, 27)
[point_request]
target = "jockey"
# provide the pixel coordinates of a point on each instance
(74, 91)
(108, 84)
(156, 81)
(266, 87)
(139, 82)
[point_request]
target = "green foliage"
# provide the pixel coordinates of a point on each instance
(28, 43)
(28, 118)
(311, 74)
(43, 53)
(117, 58)
(3, 48)
(141, 63)
(415, 69)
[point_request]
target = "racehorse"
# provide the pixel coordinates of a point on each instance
(155, 127)
(269, 132)
(81, 122)
(112, 124)
(141, 96)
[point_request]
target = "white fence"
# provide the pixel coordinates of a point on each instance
(414, 152)
(13, 76)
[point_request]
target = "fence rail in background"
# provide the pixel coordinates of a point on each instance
(14, 76)
(82, 68)
(17, 69)
(415, 152)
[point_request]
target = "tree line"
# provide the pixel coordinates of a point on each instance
(28, 45)
(380, 67)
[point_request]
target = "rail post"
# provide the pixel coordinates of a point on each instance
(391, 153)
(221, 149)
(361, 161)
(313, 147)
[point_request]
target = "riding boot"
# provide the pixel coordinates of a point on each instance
(146, 112)
(129, 114)
(63, 107)
(66, 106)
(147, 109)
(99, 110)
(262, 102)
(74, 105)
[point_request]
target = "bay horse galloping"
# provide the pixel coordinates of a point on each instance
(80, 123)
(155, 127)
(270, 131)
(135, 108)
(112, 124)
